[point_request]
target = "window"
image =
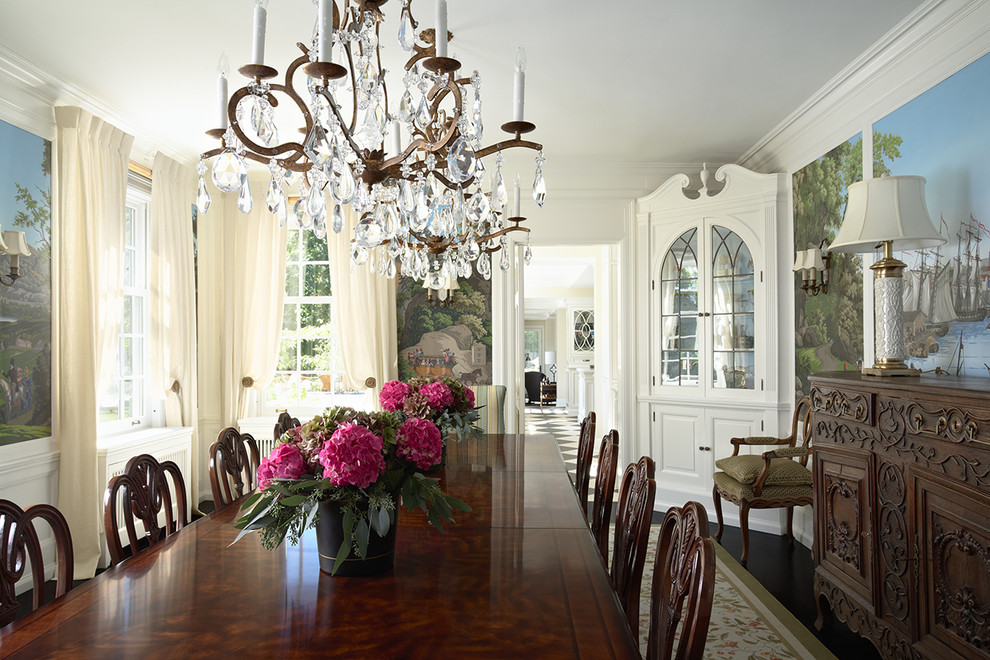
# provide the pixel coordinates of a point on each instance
(125, 403)
(309, 374)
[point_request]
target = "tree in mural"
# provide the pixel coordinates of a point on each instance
(36, 213)
(829, 328)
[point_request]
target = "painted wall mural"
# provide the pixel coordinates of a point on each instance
(26, 307)
(828, 327)
(447, 338)
(946, 139)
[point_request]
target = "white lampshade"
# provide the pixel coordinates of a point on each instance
(549, 357)
(807, 259)
(891, 208)
(14, 244)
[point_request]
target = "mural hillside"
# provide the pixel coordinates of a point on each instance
(447, 338)
(829, 327)
(26, 307)
(947, 288)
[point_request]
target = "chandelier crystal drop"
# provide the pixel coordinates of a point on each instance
(409, 164)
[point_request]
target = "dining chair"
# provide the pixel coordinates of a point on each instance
(683, 585)
(144, 494)
(637, 494)
(767, 481)
(234, 461)
(21, 547)
(601, 508)
(284, 423)
(586, 445)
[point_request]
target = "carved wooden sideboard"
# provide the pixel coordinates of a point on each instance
(902, 511)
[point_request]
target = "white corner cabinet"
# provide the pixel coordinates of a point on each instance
(708, 315)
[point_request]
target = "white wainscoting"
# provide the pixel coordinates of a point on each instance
(165, 444)
(29, 475)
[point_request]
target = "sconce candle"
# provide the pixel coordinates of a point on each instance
(223, 67)
(396, 138)
(515, 199)
(519, 88)
(441, 29)
(326, 30)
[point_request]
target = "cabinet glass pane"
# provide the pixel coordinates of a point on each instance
(732, 311)
(584, 330)
(679, 312)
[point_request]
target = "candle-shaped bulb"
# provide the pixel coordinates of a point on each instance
(516, 213)
(441, 28)
(325, 28)
(519, 88)
(396, 138)
(260, 25)
(223, 69)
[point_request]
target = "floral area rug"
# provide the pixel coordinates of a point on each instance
(747, 621)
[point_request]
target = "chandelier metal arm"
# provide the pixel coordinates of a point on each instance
(506, 144)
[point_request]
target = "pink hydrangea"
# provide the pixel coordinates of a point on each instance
(469, 397)
(285, 462)
(437, 394)
(420, 443)
(352, 456)
(393, 394)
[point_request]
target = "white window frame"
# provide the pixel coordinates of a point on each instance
(317, 404)
(139, 199)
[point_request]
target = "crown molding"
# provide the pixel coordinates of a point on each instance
(29, 94)
(937, 39)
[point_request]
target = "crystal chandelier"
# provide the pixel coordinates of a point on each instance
(427, 206)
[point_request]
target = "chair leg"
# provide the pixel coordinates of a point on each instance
(718, 512)
(744, 526)
(790, 524)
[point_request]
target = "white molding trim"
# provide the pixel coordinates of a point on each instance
(936, 40)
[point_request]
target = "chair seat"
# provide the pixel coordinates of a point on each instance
(734, 490)
(783, 471)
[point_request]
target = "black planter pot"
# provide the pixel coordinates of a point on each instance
(330, 535)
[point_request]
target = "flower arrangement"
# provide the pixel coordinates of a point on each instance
(361, 461)
(445, 401)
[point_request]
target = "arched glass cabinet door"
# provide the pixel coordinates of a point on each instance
(733, 358)
(679, 312)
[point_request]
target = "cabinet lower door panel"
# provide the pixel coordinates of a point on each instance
(680, 462)
(954, 526)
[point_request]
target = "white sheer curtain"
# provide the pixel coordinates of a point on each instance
(90, 189)
(363, 307)
(253, 281)
(173, 301)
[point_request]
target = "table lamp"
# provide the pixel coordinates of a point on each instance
(550, 360)
(889, 212)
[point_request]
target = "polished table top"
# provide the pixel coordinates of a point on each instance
(519, 576)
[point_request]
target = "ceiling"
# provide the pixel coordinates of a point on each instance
(618, 82)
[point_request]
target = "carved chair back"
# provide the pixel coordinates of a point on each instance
(586, 447)
(637, 494)
(601, 509)
(683, 585)
(234, 461)
(284, 423)
(22, 547)
(142, 494)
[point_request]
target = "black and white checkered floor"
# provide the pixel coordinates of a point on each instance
(566, 429)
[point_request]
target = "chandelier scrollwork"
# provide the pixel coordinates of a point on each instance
(426, 207)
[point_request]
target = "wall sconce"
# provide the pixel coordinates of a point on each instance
(815, 265)
(13, 243)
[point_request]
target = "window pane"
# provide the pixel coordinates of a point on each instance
(314, 354)
(127, 399)
(291, 281)
(110, 403)
(127, 322)
(287, 355)
(126, 357)
(292, 245)
(137, 314)
(289, 317)
(316, 248)
(317, 280)
(315, 315)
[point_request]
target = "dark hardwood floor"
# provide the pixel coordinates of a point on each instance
(786, 571)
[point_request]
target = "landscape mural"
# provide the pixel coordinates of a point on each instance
(946, 139)
(26, 307)
(446, 338)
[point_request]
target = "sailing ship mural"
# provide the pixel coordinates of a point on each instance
(946, 139)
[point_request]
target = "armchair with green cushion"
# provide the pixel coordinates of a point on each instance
(771, 480)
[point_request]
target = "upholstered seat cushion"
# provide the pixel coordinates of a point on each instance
(783, 471)
(736, 492)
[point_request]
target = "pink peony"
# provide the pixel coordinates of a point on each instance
(285, 462)
(393, 393)
(420, 443)
(437, 394)
(352, 456)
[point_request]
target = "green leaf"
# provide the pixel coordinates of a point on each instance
(441, 508)
(342, 553)
(457, 504)
(250, 501)
(348, 522)
(381, 521)
(362, 533)
(293, 500)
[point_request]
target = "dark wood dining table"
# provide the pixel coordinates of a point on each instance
(518, 577)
